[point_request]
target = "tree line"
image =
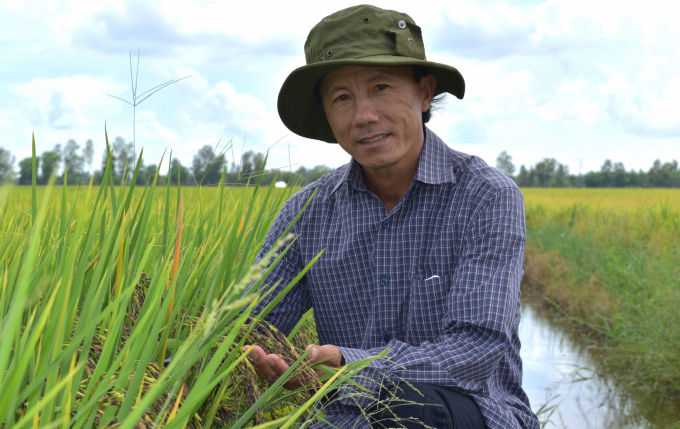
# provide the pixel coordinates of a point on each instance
(207, 167)
(549, 173)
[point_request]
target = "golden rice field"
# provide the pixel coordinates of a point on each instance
(609, 260)
(650, 215)
(615, 198)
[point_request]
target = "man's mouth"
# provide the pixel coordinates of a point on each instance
(373, 139)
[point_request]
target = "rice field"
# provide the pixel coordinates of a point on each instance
(124, 308)
(608, 262)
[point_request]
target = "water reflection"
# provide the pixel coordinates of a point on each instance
(555, 367)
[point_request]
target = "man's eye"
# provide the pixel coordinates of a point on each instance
(380, 87)
(342, 97)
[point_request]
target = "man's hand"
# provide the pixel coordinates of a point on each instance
(270, 366)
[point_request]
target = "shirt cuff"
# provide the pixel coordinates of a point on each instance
(353, 355)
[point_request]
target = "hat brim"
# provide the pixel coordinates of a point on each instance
(300, 112)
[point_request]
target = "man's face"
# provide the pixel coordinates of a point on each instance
(376, 112)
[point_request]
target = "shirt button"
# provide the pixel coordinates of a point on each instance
(383, 280)
(387, 337)
(386, 223)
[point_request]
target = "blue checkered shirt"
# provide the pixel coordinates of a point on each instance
(435, 280)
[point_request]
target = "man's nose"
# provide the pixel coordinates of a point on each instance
(366, 112)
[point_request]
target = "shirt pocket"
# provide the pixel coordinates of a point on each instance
(426, 307)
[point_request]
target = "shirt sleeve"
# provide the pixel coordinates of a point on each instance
(297, 301)
(482, 311)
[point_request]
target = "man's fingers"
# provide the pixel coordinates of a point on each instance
(258, 358)
(328, 355)
(271, 366)
(278, 365)
(313, 354)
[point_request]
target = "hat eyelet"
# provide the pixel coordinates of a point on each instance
(410, 40)
(402, 24)
(329, 53)
(367, 20)
(321, 59)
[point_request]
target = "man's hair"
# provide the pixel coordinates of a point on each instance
(418, 73)
(437, 102)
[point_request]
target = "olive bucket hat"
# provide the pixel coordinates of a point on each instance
(360, 35)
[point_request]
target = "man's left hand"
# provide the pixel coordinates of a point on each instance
(270, 366)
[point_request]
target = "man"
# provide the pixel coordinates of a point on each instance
(423, 245)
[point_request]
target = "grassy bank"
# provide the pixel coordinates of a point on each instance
(609, 261)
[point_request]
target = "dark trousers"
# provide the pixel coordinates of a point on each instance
(425, 405)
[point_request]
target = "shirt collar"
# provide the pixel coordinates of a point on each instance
(352, 174)
(434, 165)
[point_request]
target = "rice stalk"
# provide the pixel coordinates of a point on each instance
(104, 325)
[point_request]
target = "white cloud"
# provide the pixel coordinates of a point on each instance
(177, 28)
(639, 107)
(64, 102)
(565, 78)
(241, 112)
(56, 109)
(467, 29)
(149, 127)
(232, 115)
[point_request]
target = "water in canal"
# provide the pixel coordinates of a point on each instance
(558, 371)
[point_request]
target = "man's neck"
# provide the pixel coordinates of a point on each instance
(391, 183)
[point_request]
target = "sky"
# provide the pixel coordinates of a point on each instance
(579, 81)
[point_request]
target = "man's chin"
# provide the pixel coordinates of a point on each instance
(377, 162)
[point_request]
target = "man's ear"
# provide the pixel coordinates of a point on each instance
(428, 83)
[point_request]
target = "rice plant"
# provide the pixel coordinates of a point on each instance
(124, 307)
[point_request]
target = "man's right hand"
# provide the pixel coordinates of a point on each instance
(270, 366)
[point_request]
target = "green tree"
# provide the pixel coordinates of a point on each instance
(594, 179)
(611, 174)
(142, 175)
(207, 166)
(545, 171)
(524, 178)
(504, 164)
(6, 166)
(561, 176)
(315, 173)
(251, 166)
(176, 166)
(664, 175)
(26, 170)
(123, 158)
(146, 173)
(88, 154)
(50, 164)
(621, 178)
(73, 162)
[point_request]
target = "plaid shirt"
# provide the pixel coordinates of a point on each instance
(436, 280)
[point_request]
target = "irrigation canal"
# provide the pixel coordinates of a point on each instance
(557, 371)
